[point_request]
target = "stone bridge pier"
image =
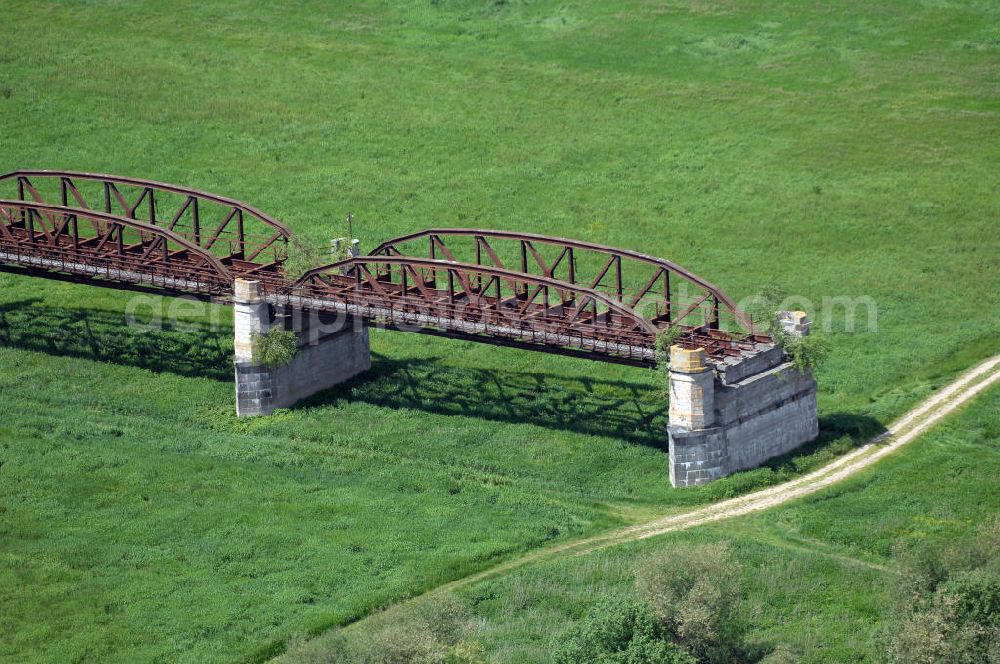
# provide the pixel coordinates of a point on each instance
(736, 414)
(332, 349)
(725, 415)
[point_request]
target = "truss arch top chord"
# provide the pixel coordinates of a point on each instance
(224, 226)
(450, 298)
(517, 289)
(675, 294)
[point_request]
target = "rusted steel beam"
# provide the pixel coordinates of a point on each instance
(564, 309)
(466, 272)
(243, 241)
(613, 258)
(161, 257)
(478, 300)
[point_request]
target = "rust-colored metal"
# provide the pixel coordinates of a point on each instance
(227, 228)
(512, 289)
(495, 305)
(107, 249)
(671, 295)
(531, 310)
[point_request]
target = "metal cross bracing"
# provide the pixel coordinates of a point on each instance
(89, 246)
(663, 293)
(230, 230)
(463, 300)
(515, 289)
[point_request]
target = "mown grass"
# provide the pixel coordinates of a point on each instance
(838, 153)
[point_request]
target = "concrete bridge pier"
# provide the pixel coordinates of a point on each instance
(736, 414)
(332, 349)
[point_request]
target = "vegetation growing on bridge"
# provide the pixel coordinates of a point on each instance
(302, 257)
(274, 348)
(806, 353)
(839, 153)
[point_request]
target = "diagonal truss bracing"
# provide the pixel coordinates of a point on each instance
(500, 287)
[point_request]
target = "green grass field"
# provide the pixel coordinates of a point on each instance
(818, 577)
(838, 152)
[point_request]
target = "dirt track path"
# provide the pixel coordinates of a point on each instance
(911, 425)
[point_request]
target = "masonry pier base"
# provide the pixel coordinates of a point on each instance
(736, 414)
(332, 349)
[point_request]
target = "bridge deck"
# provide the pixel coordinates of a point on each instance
(486, 303)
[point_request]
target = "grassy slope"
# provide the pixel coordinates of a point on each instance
(817, 575)
(838, 152)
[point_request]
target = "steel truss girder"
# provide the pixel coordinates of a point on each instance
(51, 238)
(239, 231)
(467, 299)
(543, 304)
(657, 274)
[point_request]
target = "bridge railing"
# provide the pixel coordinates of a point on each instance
(226, 228)
(94, 246)
(662, 292)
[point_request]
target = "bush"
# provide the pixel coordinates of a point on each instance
(692, 591)
(434, 632)
(805, 352)
(274, 348)
(341, 251)
(619, 631)
(447, 619)
(940, 632)
(949, 604)
(405, 643)
(303, 257)
(661, 348)
(465, 652)
(977, 595)
(921, 640)
(329, 649)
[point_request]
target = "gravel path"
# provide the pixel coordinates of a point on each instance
(911, 425)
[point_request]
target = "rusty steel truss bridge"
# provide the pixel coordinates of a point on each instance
(500, 287)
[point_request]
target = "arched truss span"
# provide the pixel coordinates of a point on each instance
(663, 293)
(493, 304)
(520, 289)
(92, 246)
(228, 229)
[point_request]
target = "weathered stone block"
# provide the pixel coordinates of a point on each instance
(734, 369)
(692, 402)
(320, 363)
(687, 360)
(756, 418)
(796, 323)
(247, 291)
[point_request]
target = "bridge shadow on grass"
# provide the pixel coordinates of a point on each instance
(187, 349)
(629, 411)
(838, 433)
(633, 412)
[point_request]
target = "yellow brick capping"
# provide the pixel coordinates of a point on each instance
(247, 291)
(796, 323)
(687, 360)
(795, 317)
